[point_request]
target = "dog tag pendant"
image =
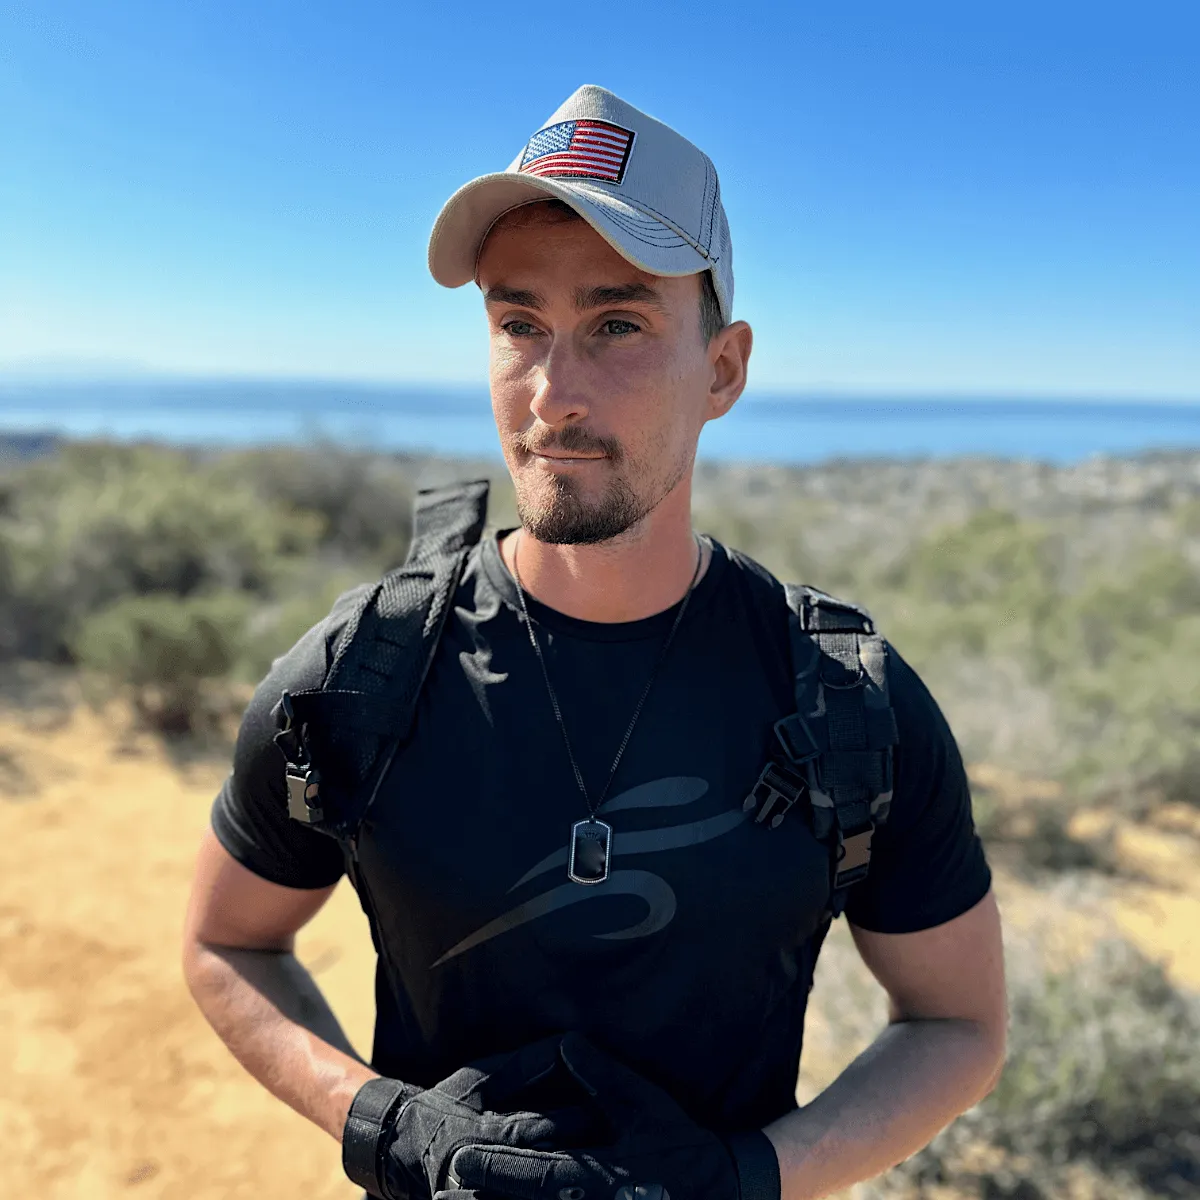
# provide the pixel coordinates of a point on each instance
(590, 843)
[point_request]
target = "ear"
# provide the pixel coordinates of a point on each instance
(729, 356)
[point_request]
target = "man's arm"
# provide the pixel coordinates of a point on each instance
(942, 1052)
(238, 963)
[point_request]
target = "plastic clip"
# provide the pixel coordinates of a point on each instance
(854, 857)
(304, 794)
(773, 795)
(797, 739)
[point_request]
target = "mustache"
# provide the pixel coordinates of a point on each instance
(573, 439)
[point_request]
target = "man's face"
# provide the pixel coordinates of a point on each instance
(600, 377)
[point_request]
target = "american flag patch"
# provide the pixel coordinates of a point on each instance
(583, 149)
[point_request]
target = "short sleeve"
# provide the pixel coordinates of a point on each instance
(927, 862)
(250, 817)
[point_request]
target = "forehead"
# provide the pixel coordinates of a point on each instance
(528, 248)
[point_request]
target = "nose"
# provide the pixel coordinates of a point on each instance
(559, 396)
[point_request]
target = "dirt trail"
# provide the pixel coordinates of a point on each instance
(113, 1084)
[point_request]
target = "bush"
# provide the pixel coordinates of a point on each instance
(103, 522)
(980, 588)
(1103, 1082)
(276, 627)
(161, 650)
(1126, 683)
(361, 504)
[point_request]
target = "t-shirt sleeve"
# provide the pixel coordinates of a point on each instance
(249, 815)
(927, 862)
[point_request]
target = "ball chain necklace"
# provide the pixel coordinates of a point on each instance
(591, 840)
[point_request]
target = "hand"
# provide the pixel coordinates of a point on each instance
(471, 1107)
(657, 1152)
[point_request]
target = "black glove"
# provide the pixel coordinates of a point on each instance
(414, 1138)
(653, 1147)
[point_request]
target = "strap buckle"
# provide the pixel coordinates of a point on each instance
(854, 857)
(796, 737)
(774, 794)
(304, 791)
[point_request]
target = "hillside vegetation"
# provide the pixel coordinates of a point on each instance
(1055, 613)
(1052, 610)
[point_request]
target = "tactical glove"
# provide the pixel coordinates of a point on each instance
(399, 1140)
(654, 1148)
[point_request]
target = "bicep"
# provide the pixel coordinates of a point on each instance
(232, 906)
(952, 971)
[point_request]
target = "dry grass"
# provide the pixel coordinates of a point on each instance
(114, 1086)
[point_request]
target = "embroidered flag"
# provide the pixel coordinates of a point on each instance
(583, 149)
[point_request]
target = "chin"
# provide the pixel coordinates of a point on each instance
(554, 511)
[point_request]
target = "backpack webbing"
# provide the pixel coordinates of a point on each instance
(842, 705)
(340, 738)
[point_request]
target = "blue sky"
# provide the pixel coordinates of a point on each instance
(923, 196)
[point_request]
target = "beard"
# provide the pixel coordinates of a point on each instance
(559, 516)
(554, 509)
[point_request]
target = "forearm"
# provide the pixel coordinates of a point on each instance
(268, 1010)
(913, 1080)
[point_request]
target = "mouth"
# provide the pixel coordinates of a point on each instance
(566, 460)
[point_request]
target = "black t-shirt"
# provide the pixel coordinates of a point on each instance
(693, 961)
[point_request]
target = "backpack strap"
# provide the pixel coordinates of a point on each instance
(838, 743)
(339, 740)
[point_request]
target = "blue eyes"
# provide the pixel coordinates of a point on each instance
(619, 328)
(614, 327)
(518, 328)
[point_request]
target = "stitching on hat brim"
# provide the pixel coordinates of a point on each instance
(662, 218)
(604, 216)
(649, 231)
(599, 216)
(668, 240)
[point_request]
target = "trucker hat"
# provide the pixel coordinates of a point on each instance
(643, 187)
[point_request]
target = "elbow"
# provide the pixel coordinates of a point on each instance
(993, 1055)
(205, 967)
(195, 963)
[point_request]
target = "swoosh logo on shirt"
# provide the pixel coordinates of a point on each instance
(656, 891)
(653, 889)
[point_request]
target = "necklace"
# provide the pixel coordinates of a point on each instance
(591, 840)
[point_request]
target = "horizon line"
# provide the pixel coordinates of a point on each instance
(12, 375)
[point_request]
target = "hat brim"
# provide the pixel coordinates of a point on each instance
(465, 220)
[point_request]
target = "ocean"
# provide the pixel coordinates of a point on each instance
(458, 422)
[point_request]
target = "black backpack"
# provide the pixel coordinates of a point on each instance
(340, 739)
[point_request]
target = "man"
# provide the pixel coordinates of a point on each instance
(560, 847)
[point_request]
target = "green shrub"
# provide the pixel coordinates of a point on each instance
(1103, 1078)
(161, 650)
(276, 627)
(979, 588)
(361, 504)
(101, 522)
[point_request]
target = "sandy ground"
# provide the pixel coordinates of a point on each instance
(112, 1083)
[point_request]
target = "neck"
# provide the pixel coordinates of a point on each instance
(642, 572)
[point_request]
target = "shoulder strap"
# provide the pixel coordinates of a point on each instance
(339, 739)
(843, 731)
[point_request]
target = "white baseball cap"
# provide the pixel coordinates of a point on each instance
(643, 187)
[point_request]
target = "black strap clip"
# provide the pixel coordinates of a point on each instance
(774, 794)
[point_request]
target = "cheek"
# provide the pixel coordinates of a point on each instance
(510, 384)
(663, 395)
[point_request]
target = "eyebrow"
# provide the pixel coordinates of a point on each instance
(585, 297)
(499, 294)
(625, 293)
